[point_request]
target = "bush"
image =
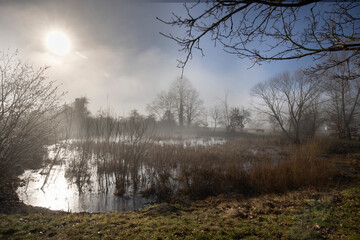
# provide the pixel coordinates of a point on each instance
(28, 106)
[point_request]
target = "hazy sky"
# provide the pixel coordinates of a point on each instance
(117, 56)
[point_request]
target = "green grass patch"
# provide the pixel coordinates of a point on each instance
(316, 215)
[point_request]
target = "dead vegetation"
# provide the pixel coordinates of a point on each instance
(237, 167)
(249, 166)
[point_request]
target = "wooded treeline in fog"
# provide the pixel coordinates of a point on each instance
(296, 104)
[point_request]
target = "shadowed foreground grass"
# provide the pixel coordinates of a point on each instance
(307, 214)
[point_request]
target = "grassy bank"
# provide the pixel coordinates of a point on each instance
(333, 213)
(302, 210)
(296, 215)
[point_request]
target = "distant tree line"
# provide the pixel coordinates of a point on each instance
(182, 105)
(77, 122)
(297, 104)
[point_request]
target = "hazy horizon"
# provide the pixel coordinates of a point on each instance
(118, 59)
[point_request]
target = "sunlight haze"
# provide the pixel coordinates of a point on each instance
(58, 43)
(114, 55)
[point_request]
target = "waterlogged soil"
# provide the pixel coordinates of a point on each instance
(332, 213)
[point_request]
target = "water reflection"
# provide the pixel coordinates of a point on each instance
(85, 176)
(58, 194)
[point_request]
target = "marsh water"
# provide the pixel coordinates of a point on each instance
(60, 194)
(52, 187)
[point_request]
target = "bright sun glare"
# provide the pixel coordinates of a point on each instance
(58, 43)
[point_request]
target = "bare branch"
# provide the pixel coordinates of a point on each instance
(288, 29)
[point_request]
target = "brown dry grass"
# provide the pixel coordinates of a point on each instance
(249, 166)
(245, 167)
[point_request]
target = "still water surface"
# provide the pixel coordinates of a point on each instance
(58, 193)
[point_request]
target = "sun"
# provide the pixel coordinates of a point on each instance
(58, 43)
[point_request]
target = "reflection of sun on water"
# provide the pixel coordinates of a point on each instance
(60, 193)
(56, 195)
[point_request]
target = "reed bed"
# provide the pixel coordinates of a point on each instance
(247, 169)
(169, 171)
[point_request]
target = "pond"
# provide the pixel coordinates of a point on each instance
(59, 194)
(51, 187)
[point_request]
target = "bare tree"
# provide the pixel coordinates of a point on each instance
(288, 99)
(274, 125)
(283, 29)
(193, 106)
(225, 110)
(343, 90)
(28, 107)
(168, 118)
(162, 106)
(215, 114)
(182, 99)
(179, 90)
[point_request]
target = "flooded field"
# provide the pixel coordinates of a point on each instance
(60, 194)
(82, 177)
(107, 176)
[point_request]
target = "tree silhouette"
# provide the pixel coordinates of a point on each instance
(288, 99)
(81, 114)
(266, 30)
(181, 99)
(342, 89)
(238, 119)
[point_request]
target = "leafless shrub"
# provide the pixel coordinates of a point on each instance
(28, 106)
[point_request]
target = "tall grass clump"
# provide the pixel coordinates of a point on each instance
(112, 150)
(203, 171)
(300, 166)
